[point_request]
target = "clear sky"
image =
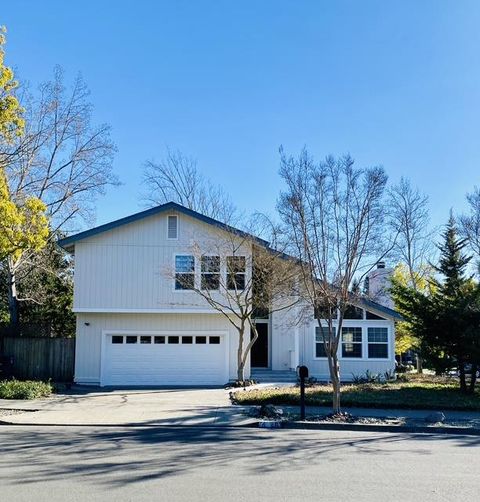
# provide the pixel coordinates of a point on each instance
(395, 83)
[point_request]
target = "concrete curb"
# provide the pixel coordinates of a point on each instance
(462, 431)
(133, 424)
(465, 431)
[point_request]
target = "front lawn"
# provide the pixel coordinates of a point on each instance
(24, 389)
(418, 392)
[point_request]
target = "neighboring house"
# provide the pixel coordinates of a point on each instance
(138, 325)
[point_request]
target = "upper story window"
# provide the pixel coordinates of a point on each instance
(353, 312)
(325, 311)
(352, 342)
(373, 317)
(172, 226)
(210, 272)
(378, 343)
(184, 272)
(236, 272)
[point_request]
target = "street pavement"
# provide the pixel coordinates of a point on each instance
(178, 463)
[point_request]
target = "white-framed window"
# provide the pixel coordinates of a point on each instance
(172, 226)
(352, 342)
(378, 343)
(184, 272)
(210, 272)
(321, 332)
(236, 267)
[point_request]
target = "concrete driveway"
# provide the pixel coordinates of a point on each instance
(84, 406)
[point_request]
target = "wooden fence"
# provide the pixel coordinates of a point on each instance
(40, 358)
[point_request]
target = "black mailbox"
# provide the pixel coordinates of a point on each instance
(302, 372)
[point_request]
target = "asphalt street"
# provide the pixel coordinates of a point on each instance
(233, 464)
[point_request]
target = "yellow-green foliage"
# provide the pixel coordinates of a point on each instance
(22, 226)
(11, 113)
(405, 339)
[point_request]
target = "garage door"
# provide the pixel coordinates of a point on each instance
(165, 359)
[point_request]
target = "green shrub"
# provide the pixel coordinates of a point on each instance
(27, 389)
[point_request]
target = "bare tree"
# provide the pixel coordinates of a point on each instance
(410, 221)
(239, 276)
(177, 178)
(470, 223)
(334, 220)
(62, 159)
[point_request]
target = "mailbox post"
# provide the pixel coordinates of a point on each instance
(302, 374)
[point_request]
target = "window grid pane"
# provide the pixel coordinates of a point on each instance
(352, 335)
(236, 272)
(378, 343)
(211, 264)
(378, 351)
(185, 264)
(377, 335)
(319, 345)
(352, 342)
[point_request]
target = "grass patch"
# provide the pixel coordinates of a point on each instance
(27, 389)
(418, 392)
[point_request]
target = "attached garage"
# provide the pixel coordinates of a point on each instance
(164, 358)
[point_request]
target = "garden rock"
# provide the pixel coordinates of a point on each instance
(270, 411)
(435, 417)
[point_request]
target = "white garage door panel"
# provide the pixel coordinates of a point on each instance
(165, 364)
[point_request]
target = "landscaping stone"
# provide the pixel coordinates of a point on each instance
(270, 411)
(435, 417)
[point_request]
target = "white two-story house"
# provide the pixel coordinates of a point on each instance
(138, 324)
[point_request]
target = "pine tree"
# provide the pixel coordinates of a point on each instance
(446, 318)
(453, 263)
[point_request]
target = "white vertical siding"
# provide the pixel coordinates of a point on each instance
(131, 267)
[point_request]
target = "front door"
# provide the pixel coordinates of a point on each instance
(259, 352)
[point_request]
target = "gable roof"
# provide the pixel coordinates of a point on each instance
(68, 243)
(371, 305)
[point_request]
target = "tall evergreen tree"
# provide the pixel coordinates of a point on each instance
(447, 319)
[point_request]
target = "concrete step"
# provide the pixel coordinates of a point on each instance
(265, 376)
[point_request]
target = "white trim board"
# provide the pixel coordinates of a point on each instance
(88, 310)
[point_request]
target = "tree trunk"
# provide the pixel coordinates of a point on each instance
(463, 382)
(419, 364)
(13, 300)
(471, 388)
(240, 359)
(334, 368)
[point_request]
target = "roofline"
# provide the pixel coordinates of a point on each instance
(68, 243)
(381, 308)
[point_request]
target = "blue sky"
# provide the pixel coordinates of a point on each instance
(228, 82)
